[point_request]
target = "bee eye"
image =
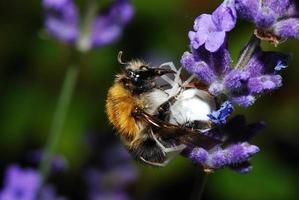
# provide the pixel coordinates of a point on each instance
(130, 73)
(143, 67)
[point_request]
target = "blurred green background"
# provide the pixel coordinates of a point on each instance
(32, 67)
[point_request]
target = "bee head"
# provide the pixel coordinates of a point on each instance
(139, 76)
(139, 72)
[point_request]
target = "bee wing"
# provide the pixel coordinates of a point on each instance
(177, 133)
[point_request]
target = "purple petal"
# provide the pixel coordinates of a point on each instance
(280, 65)
(104, 31)
(239, 153)
(196, 40)
(204, 23)
(280, 7)
(204, 27)
(200, 69)
(214, 41)
(263, 62)
(55, 4)
(219, 159)
(198, 155)
(265, 18)
(218, 61)
(247, 9)
(255, 65)
(188, 60)
(244, 101)
(216, 88)
(62, 20)
(107, 29)
(225, 16)
(293, 9)
(20, 183)
(242, 168)
(62, 30)
(220, 116)
(236, 79)
(264, 83)
(122, 11)
(288, 28)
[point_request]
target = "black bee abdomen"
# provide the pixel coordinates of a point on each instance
(149, 151)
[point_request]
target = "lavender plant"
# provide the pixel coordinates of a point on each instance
(255, 73)
(94, 29)
(25, 184)
(273, 18)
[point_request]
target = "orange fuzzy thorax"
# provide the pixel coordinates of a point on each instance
(119, 107)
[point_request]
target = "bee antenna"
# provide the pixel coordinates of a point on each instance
(120, 53)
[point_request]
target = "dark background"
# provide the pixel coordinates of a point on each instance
(32, 67)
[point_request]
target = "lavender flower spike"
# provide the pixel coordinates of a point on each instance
(62, 23)
(211, 29)
(107, 28)
(275, 20)
(20, 184)
(218, 158)
(240, 86)
(62, 20)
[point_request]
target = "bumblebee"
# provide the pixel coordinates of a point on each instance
(140, 119)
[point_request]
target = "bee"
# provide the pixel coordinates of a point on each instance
(140, 119)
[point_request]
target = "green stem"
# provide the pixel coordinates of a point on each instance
(199, 185)
(58, 119)
(83, 43)
(247, 52)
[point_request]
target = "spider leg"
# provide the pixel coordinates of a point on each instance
(176, 149)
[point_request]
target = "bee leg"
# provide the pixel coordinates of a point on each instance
(176, 149)
(149, 151)
(170, 64)
(177, 75)
(188, 80)
(170, 152)
(154, 163)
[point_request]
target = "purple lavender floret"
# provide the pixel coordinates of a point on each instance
(55, 4)
(279, 17)
(21, 184)
(241, 86)
(107, 28)
(235, 151)
(62, 20)
(221, 157)
(280, 65)
(219, 116)
(210, 30)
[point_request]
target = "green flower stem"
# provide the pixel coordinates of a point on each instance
(247, 52)
(58, 119)
(83, 43)
(199, 185)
